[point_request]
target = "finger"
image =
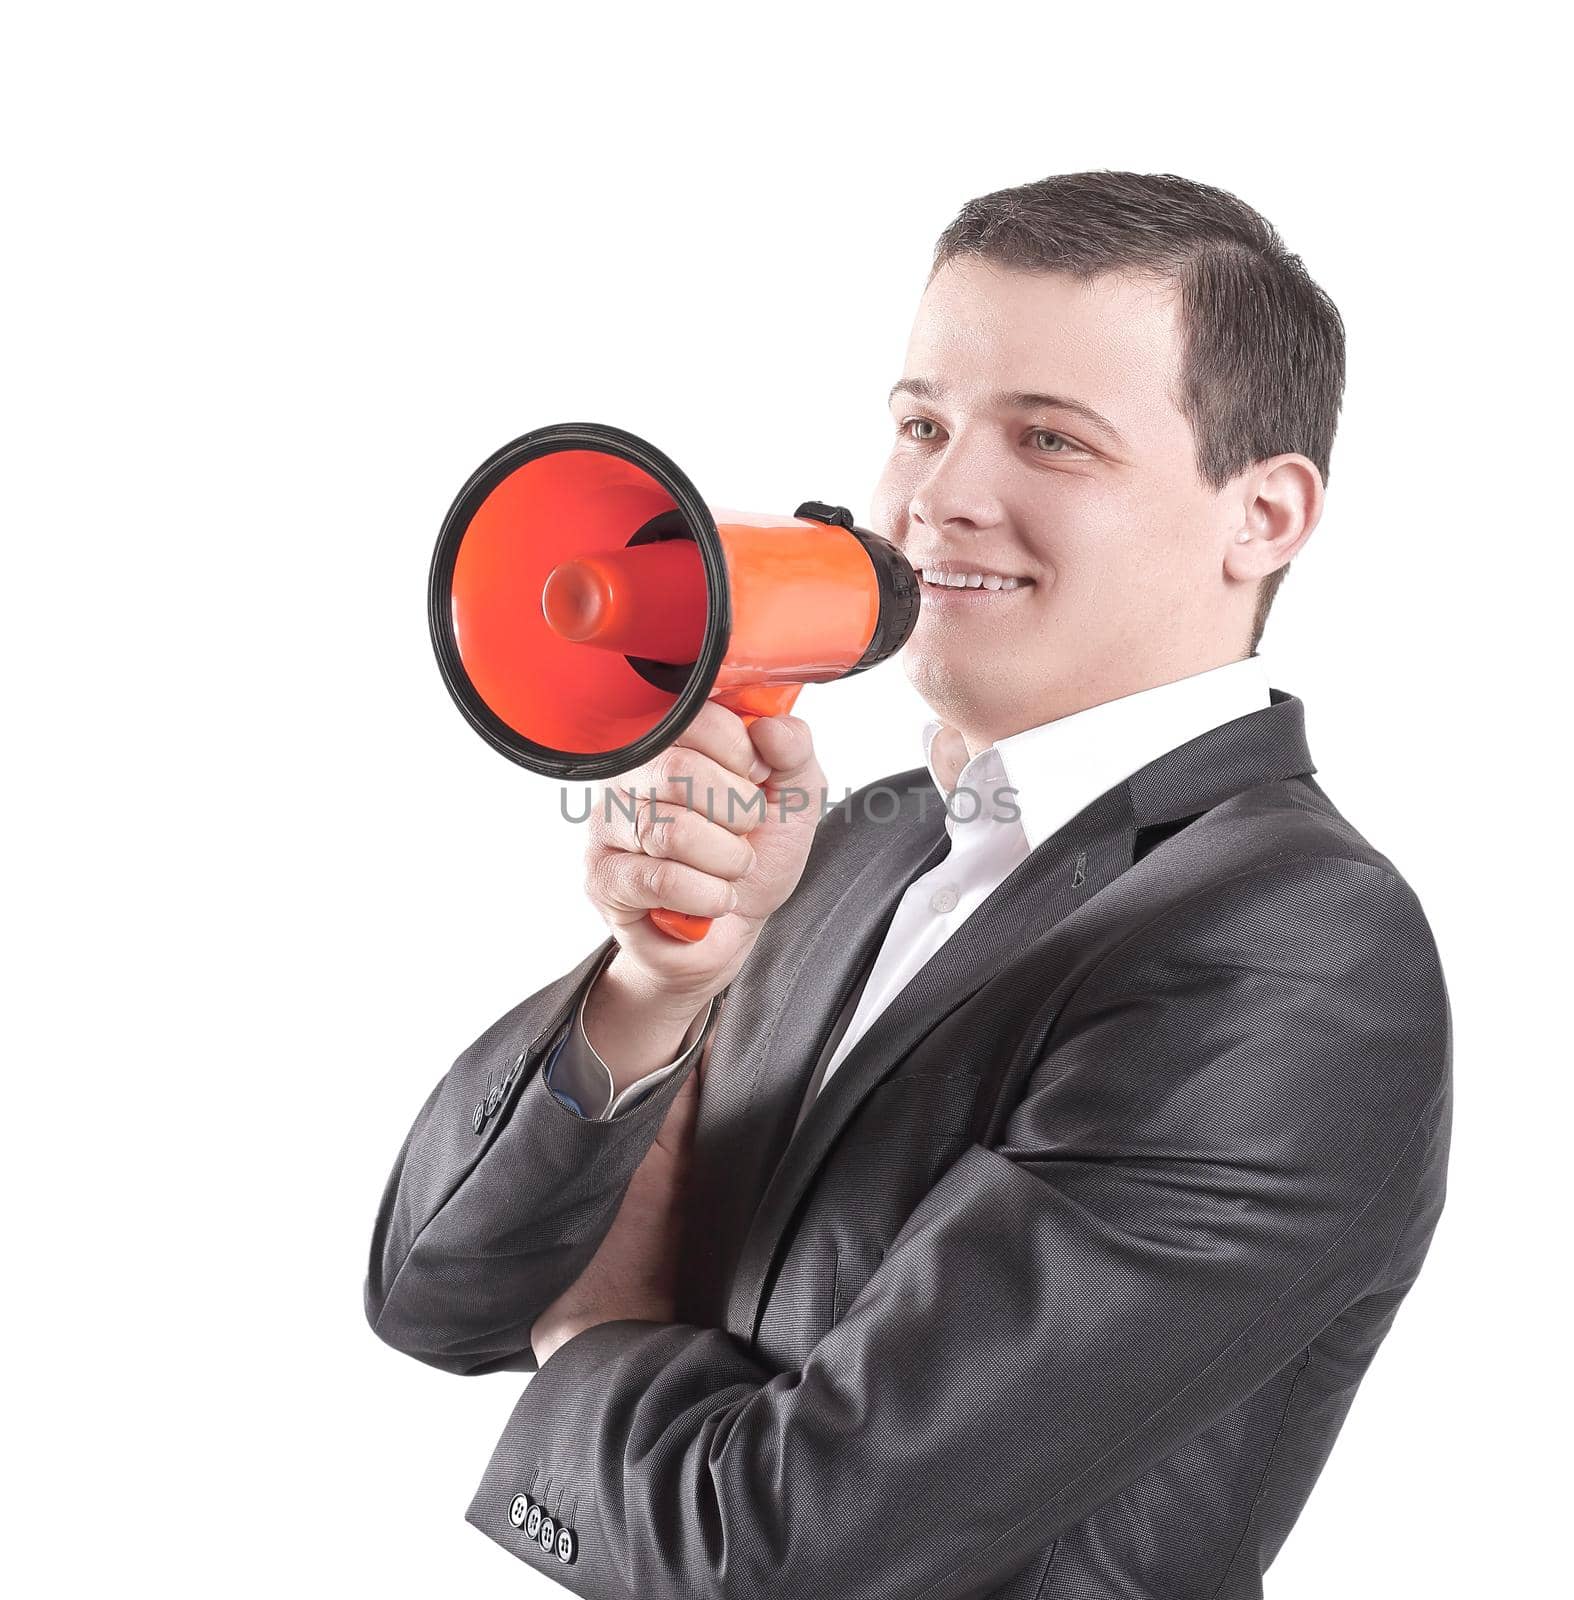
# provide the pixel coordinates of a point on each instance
(627, 884)
(723, 735)
(788, 745)
(681, 777)
(675, 834)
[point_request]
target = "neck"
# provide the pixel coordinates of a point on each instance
(1066, 700)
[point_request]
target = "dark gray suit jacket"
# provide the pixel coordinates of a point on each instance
(1067, 1280)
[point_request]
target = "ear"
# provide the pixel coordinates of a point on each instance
(1279, 502)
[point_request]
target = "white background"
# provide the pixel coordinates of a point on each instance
(280, 278)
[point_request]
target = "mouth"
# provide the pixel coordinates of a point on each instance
(968, 584)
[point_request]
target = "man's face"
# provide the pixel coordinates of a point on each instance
(1089, 496)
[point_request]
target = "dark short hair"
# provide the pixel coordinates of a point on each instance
(1262, 363)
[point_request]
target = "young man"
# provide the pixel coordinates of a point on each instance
(1008, 1195)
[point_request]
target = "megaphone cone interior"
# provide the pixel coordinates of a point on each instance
(647, 600)
(584, 601)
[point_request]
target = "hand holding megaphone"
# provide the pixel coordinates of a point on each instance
(717, 827)
(586, 605)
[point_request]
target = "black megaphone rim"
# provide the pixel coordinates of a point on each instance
(545, 759)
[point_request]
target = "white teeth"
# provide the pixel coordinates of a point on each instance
(968, 580)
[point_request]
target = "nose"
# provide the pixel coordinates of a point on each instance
(956, 496)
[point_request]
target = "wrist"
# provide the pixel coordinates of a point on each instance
(636, 1026)
(632, 989)
(553, 1330)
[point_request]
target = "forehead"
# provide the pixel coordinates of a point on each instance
(1110, 342)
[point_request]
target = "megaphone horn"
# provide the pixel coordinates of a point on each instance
(584, 601)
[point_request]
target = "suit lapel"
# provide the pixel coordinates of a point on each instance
(1063, 873)
(769, 1050)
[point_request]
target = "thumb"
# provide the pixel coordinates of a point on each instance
(786, 745)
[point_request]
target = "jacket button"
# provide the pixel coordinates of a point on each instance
(519, 1509)
(533, 1521)
(566, 1544)
(548, 1535)
(478, 1116)
(494, 1098)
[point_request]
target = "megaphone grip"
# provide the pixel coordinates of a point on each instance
(769, 700)
(680, 925)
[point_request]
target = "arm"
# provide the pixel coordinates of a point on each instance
(1217, 1151)
(502, 1193)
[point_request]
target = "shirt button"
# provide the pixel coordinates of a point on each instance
(943, 900)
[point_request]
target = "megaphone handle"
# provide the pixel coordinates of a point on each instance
(755, 701)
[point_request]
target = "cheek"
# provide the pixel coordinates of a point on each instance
(888, 505)
(1113, 530)
(1073, 526)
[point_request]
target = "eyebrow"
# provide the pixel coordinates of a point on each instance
(1019, 400)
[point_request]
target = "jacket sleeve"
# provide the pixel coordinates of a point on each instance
(501, 1193)
(1218, 1147)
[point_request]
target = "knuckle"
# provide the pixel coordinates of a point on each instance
(683, 833)
(672, 766)
(664, 878)
(651, 830)
(711, 717)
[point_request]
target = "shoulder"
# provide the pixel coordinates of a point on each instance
(1321, 915)
(1278, 871)
(1280, 868)
(1302, 989)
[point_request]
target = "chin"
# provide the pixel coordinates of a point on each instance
(957, 688)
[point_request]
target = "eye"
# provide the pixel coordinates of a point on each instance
(922, 422)
(1060, 445)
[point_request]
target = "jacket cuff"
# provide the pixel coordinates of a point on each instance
(552, 1496)
(581, 1080)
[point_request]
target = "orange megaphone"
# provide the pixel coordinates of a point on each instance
(584, 601)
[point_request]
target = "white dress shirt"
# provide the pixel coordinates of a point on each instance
(1006, 801)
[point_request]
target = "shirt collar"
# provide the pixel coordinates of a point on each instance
(1049, 773)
